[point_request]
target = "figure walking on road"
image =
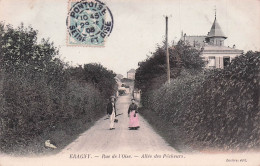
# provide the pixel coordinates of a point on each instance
(111, 112)
(133, 117)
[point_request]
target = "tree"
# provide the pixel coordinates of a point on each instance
(151, 73)
(40, 94)
(102, 78)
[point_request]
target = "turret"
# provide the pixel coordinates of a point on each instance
(215, 36)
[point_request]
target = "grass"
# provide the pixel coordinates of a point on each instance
(64, 134)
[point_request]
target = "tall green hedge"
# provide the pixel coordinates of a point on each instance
(40, 94)
(217, 108)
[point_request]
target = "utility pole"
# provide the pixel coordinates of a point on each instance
(167, 52)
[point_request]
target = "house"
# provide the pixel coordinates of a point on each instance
(128, 84)
(118, 85)
(131, 74)
(214, 52)
(120, 76)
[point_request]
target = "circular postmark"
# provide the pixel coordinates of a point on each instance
(89, 23)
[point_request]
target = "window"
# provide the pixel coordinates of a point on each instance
(211, 62)
(226, 61)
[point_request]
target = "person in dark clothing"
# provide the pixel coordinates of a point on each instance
(111, 112)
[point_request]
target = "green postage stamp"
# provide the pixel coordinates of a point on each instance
(89, 23)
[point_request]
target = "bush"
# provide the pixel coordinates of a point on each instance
(40, 94)
(97, 75)
(217, 108)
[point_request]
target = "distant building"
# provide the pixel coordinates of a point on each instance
(131, 74)
(118, 81)
(118, 86)
(213, 50)
(120, 76)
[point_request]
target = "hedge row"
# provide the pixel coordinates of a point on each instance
(40, 95)
(31, 109)
(215, 109)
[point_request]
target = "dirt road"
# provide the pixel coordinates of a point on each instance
(100, 139)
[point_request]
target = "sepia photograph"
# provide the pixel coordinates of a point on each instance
(129, 82)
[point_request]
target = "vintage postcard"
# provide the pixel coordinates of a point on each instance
(130, 82)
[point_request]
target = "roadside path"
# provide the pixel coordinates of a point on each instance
(100, 139)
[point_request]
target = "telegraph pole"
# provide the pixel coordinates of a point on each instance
(167, 52)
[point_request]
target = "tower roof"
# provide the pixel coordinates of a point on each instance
(131, 71)
(215, 30)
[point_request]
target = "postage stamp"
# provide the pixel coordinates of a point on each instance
(89, 23)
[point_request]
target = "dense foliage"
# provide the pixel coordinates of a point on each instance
(39, 93)
(214, 109)
(97, 75)
(151, 73)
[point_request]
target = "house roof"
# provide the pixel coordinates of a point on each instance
(131, 71)
(197, 40)
(216, 30)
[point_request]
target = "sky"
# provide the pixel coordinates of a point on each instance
(139, 25)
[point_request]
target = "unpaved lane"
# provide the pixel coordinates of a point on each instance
(100, 139)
